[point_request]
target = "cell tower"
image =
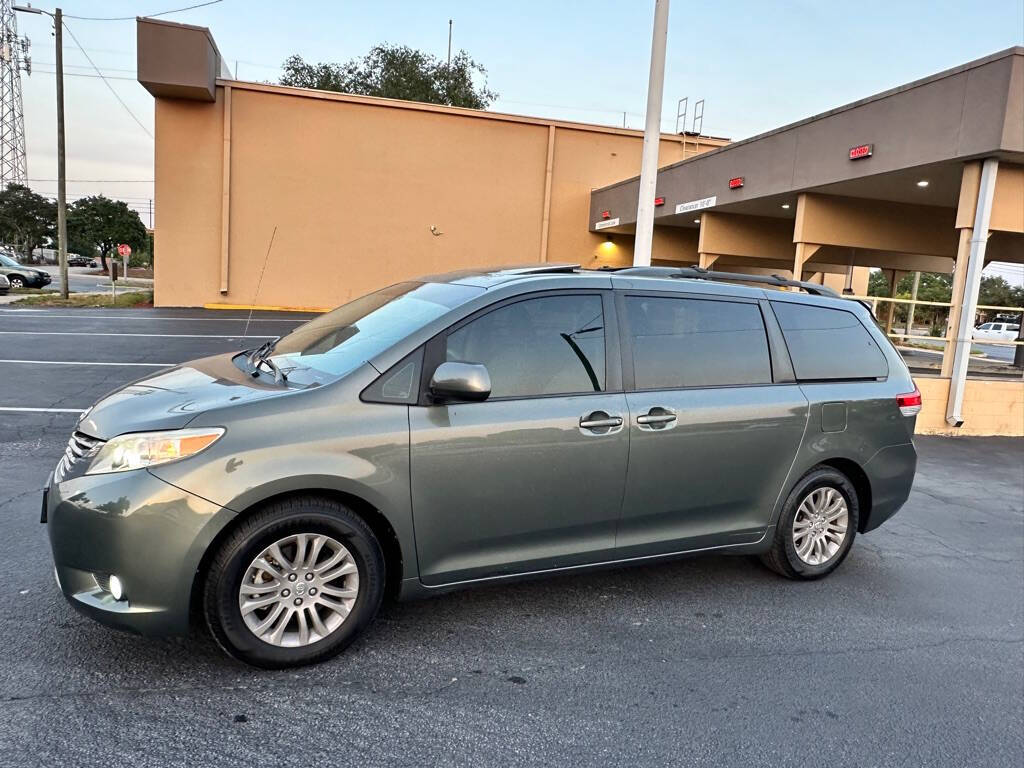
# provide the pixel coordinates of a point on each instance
(14, 60)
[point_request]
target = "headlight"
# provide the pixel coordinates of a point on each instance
(147, 449)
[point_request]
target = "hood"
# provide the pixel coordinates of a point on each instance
(173, 397)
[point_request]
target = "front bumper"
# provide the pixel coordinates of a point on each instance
(148, 533)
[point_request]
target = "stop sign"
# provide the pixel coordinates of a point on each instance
(124, 250)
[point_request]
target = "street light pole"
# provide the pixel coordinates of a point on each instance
(62, 225)
(652, 136)
(62, 213)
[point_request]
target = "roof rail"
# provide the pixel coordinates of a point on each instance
(696, 273)
(540, 269)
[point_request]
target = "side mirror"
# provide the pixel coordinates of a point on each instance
(461, 381)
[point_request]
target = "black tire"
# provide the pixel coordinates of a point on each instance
(306, 514)
(782, 557)
(16, 281)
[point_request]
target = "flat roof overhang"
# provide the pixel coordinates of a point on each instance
(924, 130)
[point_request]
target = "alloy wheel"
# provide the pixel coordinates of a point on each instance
(299, 590)
(819, 526)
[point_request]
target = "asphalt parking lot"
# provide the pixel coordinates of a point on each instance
(911, 654)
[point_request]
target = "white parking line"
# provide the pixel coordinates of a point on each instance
(140, 335)
(42, 410)
(37, 312)
(69, 362)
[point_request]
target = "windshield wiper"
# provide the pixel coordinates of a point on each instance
(261, 356)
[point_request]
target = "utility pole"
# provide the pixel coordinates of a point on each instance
(448, 67)
(62, 225)
(62, 213)
(652, 136)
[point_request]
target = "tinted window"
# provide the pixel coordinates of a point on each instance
(546, 346)
(986, 327)
(696, 343)
(828, 343)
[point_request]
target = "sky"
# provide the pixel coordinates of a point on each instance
(757, 65)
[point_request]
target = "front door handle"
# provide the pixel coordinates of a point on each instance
(600, 420)
(657, 417)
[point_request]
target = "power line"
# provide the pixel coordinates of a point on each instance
(149, 16)
(97, 181)
(109, 86)
(85, 74)
(81, 66)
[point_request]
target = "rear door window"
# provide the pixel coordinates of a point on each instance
(827, 343)
(682, 342)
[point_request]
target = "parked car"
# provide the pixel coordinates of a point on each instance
(5, 285)
(478, 427)
(997, 332)
(21, 276)
(77, 260)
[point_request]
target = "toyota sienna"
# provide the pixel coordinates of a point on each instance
(475, 427)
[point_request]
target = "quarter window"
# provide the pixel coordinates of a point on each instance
(553, 345)
(828, 343)
(696, 343)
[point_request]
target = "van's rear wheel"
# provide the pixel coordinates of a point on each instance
(294, 584)
(816, 527)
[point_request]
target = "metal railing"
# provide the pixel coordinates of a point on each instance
(984, 364)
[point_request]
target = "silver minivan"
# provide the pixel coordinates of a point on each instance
(475, 427)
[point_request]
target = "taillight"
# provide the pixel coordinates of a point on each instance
(910, 403)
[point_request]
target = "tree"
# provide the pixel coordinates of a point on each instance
(26, 219)
(397, 72)
(103, 224)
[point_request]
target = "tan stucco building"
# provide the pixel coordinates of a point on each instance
(349, 193)
(271, 196)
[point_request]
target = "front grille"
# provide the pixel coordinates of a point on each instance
(79, 445)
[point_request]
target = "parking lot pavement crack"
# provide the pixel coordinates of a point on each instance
(19, 496)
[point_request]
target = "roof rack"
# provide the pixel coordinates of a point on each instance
(696, 273)
(540, 269)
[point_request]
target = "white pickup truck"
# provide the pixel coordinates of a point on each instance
(996, 332)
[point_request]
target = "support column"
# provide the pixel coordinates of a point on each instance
(804, 252)
(972, 284)
(956, 299)
(705, 260)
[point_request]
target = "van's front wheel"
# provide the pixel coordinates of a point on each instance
(294, 584)
(816, 527)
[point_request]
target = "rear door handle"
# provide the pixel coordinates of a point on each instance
(656, 417)
(600, 420)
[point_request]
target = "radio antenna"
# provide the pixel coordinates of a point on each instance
(259, 284)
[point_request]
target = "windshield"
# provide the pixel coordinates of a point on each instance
(338, 342)
(7, 261)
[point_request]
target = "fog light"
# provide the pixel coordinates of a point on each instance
(116, 588)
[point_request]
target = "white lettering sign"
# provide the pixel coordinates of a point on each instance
(697, 205)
